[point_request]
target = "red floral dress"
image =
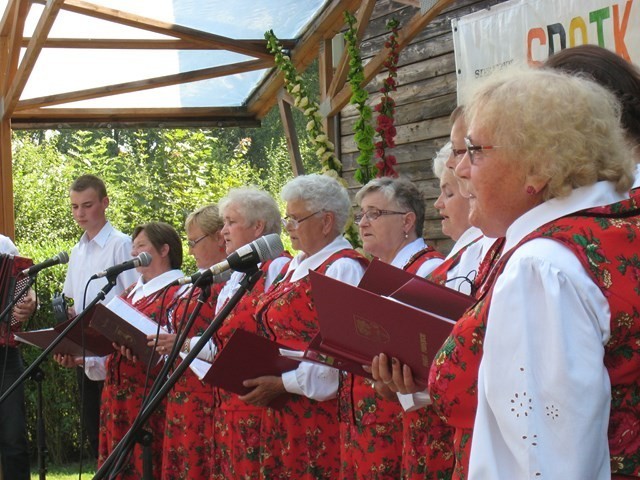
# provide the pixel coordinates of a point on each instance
(371, 428)
(605, 241)
(188, 435)
(124, 390)
(237, 424)
(302, 440)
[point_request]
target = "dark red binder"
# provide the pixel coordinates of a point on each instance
(245, 356)
(356, 324)
(120, 331)
(96, 345)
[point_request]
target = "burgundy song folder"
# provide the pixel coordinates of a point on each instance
(245, 356)
(356, 324)
(96, 345)
(122, 332)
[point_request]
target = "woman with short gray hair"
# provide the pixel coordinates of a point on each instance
(305, 431)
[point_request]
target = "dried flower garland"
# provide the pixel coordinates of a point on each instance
(325, 150)
(363, 131)
(387, 106)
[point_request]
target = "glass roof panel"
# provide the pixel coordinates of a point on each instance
(60, 70)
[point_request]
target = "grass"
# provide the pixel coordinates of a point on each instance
(67, 472)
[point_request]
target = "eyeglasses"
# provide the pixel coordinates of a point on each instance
(193, 243)
(293, 223)
(374, 213)
(472, 149)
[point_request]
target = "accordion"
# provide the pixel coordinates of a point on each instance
(11, 284)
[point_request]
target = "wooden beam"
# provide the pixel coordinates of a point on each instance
(340, 77)
(325, 68)
(58, 118)
(411, 3)
(31, 55)
(146, 84)
(12, 46)
(164, 28)
(375, 65)
(291, 136)
(7, 17)
(329, 22)
(7, 223)
(141, 43)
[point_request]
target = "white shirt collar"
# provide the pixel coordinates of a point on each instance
(598, 194)
(102, 236)
(301, 264)
(142, 289)
(468, 236)
(636, 182)
(408, 251)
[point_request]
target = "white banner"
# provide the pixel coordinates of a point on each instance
(530, 30)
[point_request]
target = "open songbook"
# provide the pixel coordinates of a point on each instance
(95, 344)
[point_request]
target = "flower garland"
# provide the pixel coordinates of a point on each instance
(387, 106)
(363, 131)
(331, 166)
(325, 149)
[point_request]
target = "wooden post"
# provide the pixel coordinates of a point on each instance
(286, 115)
(7, 225)
(325, 70)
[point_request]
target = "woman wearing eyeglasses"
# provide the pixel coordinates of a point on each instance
(527, 376)
(390, 223)
(187, 447)
(301, 440)
(248, 214)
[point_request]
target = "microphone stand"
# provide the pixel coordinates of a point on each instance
(111, 281)
(144, 437)
(38, 377)
(127, 441)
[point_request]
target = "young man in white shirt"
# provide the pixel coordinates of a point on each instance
(100, 247)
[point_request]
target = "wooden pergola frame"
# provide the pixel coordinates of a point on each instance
(315, 42)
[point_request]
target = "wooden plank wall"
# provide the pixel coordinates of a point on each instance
(426, 96)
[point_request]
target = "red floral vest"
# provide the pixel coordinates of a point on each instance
(420, 258)
(242, 316)
(604, 239)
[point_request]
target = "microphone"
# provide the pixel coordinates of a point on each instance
(244, 259)
(219, 278)
(60, 258)
(141, 260)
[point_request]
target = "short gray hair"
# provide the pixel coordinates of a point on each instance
(440, 160)
(254, 205)
(400, 190)
(320, 192)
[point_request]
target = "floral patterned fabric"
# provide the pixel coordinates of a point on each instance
(301, 440)
(604, 239)
(123, 393)
(371, 427)
(427, 441)
(188, 436)
(237, 424)
(454, 373)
